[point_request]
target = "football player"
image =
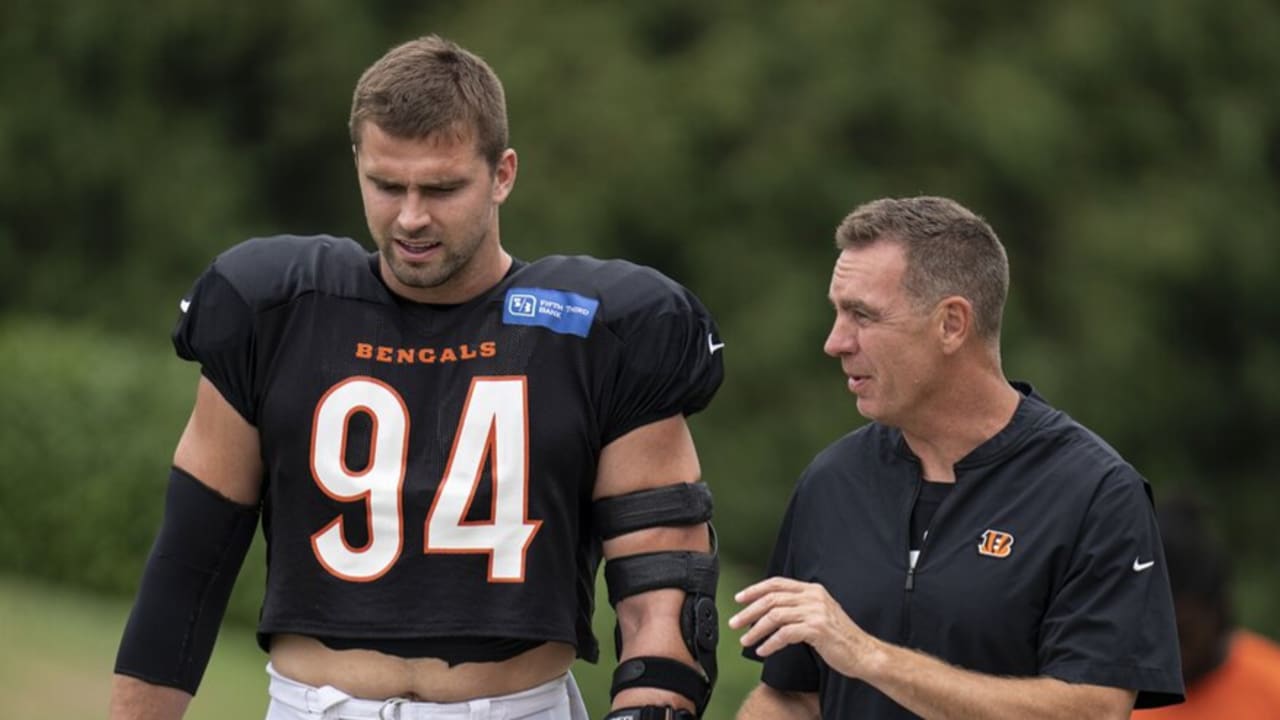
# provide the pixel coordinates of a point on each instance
(441, 442)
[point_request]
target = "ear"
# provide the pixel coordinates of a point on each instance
(954, 321)
(504, 175)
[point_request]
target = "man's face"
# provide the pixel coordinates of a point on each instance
(432, 208)
(881, 338)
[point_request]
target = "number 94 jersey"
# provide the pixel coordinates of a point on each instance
(429, 469)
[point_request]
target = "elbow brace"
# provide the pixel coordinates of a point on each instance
(696, 573)
(186, 585)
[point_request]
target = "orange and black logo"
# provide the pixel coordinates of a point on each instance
(996, 543)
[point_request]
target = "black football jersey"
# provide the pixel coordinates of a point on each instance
(429, 469)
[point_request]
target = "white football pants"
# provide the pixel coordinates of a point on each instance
(558, 699)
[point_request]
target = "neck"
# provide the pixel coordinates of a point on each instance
(487, 272)
(971, 409)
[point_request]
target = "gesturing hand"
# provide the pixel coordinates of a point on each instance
(781, 612)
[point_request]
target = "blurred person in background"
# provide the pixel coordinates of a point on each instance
(972, 552)
(441, 441)
(1230, 673)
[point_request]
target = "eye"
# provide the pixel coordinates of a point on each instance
(443, 188)
(858, 313)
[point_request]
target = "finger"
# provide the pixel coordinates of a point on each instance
(746, 616)
(768, 585)
(773, 621)
(761, 629)
(763, 587)
(761, 605)
(784, 637)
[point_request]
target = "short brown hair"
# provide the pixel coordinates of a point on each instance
(432, 85)
(949, 251)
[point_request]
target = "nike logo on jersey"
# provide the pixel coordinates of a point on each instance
(184, 304)
(712, 345)
(1140, 566)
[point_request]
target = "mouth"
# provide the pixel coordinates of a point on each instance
(416, 250)
(857, 382)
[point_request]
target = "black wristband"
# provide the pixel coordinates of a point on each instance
(665, 674)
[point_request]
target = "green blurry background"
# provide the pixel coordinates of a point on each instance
(1127, 153)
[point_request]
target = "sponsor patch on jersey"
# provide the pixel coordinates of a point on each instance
(996, 543)
(557, 310)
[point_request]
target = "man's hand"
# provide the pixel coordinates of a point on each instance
(781, 612)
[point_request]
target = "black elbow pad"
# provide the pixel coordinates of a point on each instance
(696, 573)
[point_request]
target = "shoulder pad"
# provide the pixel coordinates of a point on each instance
(268, 271)
(624, 289)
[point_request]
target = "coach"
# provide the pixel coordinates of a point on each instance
(972, 552)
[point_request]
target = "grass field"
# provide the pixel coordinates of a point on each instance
(59, 647)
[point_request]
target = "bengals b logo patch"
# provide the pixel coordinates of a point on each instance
(995, 543)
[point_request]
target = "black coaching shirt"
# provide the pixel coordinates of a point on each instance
(1043, 560)
(429, 469)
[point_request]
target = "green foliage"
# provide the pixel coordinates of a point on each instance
(1129, 156)
(90, 425)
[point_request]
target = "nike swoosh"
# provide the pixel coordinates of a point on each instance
(184, 304)
(1140, 566)
(712, 345)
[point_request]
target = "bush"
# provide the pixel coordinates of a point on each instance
(90, 425)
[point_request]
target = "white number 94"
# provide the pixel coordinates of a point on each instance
(493, 427)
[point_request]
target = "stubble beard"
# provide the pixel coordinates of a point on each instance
(453, 260)
(426, 275)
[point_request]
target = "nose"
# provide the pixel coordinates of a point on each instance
(414, 214)
(842, 340)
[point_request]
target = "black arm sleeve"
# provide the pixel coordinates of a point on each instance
(186, 585)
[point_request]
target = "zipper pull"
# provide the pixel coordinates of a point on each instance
(911, 578)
